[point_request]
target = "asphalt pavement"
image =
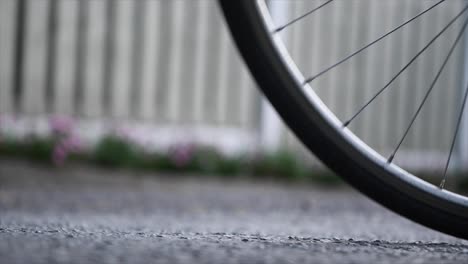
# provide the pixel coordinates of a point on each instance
(82, 215)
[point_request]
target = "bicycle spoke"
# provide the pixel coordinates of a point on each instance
(314, 116)
(301, 17)
(457, 128)
(426, 96)
(345, 124)
(310, 79)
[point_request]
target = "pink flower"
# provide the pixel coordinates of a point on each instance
(123, 133)
(71, 143)
(181, 155)
(59, 155)
(61, 125)
(65, 147)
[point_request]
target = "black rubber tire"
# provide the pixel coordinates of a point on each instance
(306, 121)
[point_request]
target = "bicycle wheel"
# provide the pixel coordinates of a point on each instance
(328, 137)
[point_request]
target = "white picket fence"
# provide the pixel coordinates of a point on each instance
(170, 70)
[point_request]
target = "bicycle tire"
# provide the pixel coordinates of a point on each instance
(318, 130)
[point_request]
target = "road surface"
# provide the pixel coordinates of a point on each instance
(87, 215)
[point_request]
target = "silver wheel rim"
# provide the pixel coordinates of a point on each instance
(401, 175)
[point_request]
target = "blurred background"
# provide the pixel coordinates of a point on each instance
(132, 132)
(159, 84)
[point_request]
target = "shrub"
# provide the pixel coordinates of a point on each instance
(114, 151)
(33, 148)
(120, 150)
(280, 164)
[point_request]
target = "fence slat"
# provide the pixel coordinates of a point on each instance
(65, 57)
(450, 105)
(7, 34)
(373, 81)
(173, 63)
(425, 71)
(150, 72)
(462, 144)
(122, 59)
(199, 85)
(235, 86)
(222, 86)
(34, 67)
(176, 61)
(401, 111)
(249, 101)
(212, 68)
(94, 62)
(136, 73)
(188, 78)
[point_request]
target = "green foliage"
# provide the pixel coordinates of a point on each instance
(281, 164)
(34, 148)
(9, 147)
(115, 152)
(161, 162)
(324, 178)
(39, 149)
(206, 160)
(232, 166)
